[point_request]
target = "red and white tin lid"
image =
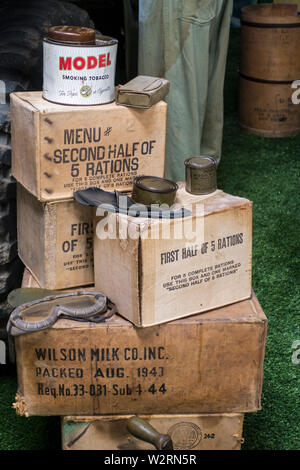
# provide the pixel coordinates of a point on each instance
(79, 66)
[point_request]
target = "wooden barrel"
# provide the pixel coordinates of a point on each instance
(266, 109)
(270, 62)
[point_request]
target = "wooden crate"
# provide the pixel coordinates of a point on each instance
(29, 281)
(188, 432)
(208, 363)
(55, 241)
(205, 263)
(62, 149)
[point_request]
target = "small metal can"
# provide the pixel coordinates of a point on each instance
(149, 190)
(200, 175)
(79, 66)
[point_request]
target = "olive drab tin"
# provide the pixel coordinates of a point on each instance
(79, 66)
(142, 91)
(149, 190)
(200, 175)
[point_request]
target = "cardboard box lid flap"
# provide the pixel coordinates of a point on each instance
(36, 100)
(217, 202)
(247, 311)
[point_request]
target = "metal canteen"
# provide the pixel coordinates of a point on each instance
(152, 190)
(200, 175)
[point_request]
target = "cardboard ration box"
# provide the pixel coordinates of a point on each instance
(207, 363)
(62, 149)
(55, 241)
(157, 270)
(29, 281)
(187, 431)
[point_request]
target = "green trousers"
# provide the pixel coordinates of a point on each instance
(186, 42)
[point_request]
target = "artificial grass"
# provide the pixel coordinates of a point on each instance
(267, 172)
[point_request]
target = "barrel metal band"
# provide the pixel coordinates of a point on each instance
(272, 82)
(270, 25)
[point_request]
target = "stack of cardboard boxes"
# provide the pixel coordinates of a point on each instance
(59, 149)
(186, 352)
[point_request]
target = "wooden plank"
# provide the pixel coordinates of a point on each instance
(188, 432)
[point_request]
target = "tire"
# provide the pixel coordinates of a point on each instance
(16, 35)
(10, 277)
(5, 149)
(17, 58)
(7, 185)
(5, 140)
(22, 27)
(8, 251)
(8, 228)
(11, 81)
(5, 156)
(4, 118)
(4, 308)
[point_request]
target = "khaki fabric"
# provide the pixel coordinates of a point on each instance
(186, 42)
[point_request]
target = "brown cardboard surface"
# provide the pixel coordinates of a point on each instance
(154, 278)
(66, 148)
(207, 363)
(55, 241)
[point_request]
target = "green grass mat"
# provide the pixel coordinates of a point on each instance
(267, 172)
